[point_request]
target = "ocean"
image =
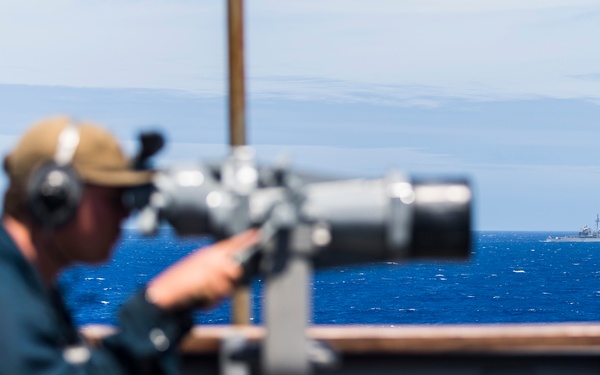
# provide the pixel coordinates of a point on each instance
(512, 277)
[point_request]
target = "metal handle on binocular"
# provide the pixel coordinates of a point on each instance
(286, 252)
(285, 349)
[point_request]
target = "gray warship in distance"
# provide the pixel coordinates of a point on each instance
(586, 234)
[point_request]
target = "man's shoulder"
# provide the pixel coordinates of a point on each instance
(14, 284)
(24, 305)
(20, 288)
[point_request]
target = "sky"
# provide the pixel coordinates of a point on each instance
(504, 93)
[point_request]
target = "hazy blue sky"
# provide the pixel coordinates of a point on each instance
(504, 92)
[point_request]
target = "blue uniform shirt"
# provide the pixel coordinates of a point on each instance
(37, 335)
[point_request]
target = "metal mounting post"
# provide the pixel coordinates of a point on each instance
(286, 307)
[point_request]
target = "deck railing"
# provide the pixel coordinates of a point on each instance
(556, 348)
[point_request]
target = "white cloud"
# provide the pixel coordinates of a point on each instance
(155, 44)
(498, 50)
(382, 51)
(409, 6)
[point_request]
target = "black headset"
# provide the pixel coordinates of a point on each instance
(54, 189)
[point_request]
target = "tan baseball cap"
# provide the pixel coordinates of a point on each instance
(98, 158)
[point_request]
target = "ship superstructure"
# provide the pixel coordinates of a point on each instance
(586, 234)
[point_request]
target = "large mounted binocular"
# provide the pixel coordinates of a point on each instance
(343, 220)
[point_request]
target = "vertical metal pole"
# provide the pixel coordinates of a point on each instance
(237, 133)
(237, 110)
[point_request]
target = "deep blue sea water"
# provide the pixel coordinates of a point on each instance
(512, 277)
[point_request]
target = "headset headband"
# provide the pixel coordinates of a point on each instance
(67, 143)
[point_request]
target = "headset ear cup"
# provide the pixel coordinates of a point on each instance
(53, 194)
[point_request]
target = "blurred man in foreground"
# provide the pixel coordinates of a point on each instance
(63, 206)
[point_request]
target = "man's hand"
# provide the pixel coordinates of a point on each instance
(204, 277)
